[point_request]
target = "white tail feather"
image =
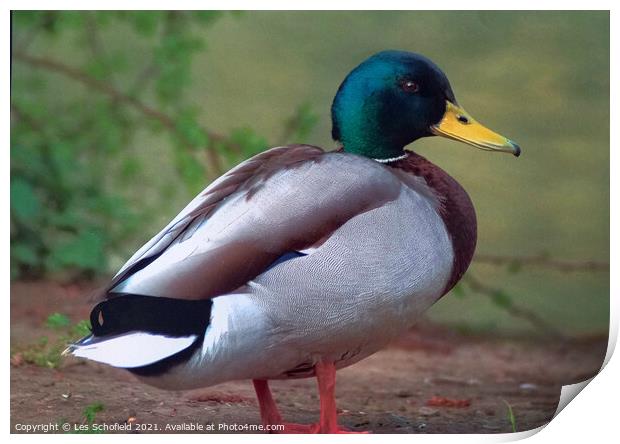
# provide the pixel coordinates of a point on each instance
(131, 350)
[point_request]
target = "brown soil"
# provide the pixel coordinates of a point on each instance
(402, 389)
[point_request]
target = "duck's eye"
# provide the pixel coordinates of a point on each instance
(409, 86)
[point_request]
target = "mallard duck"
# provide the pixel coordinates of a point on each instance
(300, 261)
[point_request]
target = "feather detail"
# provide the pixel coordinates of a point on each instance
(134, 331)
(130, 350)
(281, 201)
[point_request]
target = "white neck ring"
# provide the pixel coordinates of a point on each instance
(392, 159)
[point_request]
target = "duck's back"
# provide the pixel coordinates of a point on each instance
(220, 247)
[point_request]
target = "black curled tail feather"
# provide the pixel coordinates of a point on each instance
(124, 313)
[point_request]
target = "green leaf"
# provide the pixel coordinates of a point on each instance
(69, 219)
(27, 18)
(248, 140)
(70, 19)
(83, 251)
(146, 22)
(57, 321)
(511, 417)
(191, 171)
(25, 253)
(82, 328)
(25, 204)
(173, 58)
(27, 158)
(91, 411)
(206, 17)
(190, 131)
(63, 160)
(97, 69)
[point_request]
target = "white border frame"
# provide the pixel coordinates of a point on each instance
(593, 417)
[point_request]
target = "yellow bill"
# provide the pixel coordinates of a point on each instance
(457, 124)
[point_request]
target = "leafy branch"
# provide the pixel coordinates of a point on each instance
(105, 88)
(82, 77)
(503, 300)
(514, 264)
(500, 298)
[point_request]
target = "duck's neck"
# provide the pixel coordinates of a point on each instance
(368, 137)
(455, 208)
(374, 149)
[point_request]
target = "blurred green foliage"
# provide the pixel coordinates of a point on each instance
(57, 321)
(68, 158)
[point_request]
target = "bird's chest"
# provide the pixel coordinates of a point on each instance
(368, 282)
(402, 264)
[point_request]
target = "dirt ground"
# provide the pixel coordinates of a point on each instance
(406, 388)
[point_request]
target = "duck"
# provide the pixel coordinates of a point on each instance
(301, 261)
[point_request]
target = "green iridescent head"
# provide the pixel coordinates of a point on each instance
(396, 97)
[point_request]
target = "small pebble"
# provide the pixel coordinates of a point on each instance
(427, 411)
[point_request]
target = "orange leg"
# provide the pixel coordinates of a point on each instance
(326, 378)
(328, 422)
(269, 413)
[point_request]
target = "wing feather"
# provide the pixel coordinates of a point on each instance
(282, 200)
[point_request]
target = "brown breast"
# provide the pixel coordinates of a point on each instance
(456, 210)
